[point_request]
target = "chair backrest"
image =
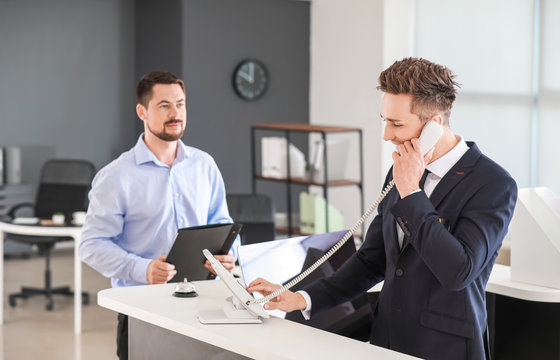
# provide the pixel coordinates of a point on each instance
(63, 187)
(256, 213)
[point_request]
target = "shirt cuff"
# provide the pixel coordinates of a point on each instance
(307, 311)
(140, 272)
(234, 246)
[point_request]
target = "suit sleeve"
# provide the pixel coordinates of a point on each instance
(458, 255)
(357, 275)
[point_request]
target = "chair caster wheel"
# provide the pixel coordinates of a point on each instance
(50, 305)
(12, 301)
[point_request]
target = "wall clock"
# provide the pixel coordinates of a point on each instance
(250, 79)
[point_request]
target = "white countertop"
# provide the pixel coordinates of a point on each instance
(274, 339)
(500, 283)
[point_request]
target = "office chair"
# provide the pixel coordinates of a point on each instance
(256, 213)
(63, 187)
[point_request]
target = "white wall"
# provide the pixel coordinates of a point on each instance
(345, 63)
(352, 41)
(398, 43)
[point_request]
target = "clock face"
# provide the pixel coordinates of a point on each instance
(250, 79)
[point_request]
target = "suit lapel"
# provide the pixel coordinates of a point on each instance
(390, 200)
(456, 174)
(393, 198)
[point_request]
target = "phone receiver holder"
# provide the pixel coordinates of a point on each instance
(239, 308)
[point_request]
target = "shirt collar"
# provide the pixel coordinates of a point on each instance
(441, 166)
(144, 155)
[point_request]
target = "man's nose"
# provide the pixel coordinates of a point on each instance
(387, 134)
(173, 111)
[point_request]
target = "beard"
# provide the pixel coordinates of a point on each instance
(164, 135)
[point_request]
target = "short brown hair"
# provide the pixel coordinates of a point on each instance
(147, 82)
(431, 85)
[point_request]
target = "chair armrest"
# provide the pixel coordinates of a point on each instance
(12, 212)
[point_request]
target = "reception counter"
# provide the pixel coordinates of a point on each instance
(164, 326)
(522, 318)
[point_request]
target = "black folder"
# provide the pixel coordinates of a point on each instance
(186, 252)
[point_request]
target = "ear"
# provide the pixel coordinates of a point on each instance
(141, 111)
(437, 118)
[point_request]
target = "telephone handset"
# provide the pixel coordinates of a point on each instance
(428, 138)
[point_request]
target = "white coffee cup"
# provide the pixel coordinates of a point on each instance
(78, 217)
(58, 219)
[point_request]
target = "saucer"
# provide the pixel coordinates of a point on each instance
(25, 220)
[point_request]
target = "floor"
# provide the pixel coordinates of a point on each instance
(31, 332)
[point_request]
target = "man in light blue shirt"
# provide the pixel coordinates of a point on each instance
(140, 200)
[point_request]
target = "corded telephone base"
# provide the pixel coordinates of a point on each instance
(229, 314)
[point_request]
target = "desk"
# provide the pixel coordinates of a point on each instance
(523, 319)
(500, 283)
(71, 231)
(153, 308)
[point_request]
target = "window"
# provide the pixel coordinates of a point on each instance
(506, 58)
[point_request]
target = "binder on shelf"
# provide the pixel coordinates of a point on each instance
(1, 166)
(274, 158)
(313, 219)
(337, 152)
(13, 165)
(186, 252)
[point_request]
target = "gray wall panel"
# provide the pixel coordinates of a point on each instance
(66, 76)
(218, 35)
(68, 70)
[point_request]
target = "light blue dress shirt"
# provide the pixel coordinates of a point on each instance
(137, 204)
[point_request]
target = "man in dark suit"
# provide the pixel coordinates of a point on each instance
(433, 243)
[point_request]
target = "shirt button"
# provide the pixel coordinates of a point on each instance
(176, 194)
(180, 220)
(399, 272)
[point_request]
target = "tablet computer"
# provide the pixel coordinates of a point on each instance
(186, 252)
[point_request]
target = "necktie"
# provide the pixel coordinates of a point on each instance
(423, 179)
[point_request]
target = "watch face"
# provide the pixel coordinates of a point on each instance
(250, 79)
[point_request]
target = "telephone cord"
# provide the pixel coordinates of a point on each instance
(337, 246)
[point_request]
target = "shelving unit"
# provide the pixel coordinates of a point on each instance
(287, 129)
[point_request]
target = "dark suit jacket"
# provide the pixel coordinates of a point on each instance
(432, 304)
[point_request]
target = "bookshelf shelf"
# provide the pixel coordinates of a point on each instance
(303, 181)
(287, 129)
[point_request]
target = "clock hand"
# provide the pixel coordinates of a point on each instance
(252, 72)
(245, 76)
